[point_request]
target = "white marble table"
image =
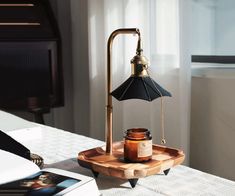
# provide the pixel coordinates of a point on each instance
(60, 148)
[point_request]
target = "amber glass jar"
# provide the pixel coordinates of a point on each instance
(137, 145)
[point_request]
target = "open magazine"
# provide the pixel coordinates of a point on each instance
(19, 176)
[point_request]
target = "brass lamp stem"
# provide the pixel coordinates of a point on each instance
(139, 49)
(109, 109)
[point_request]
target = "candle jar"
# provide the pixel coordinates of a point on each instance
(137, 145)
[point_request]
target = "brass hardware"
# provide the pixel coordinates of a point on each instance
(16, 5)
(139, 65)
(163, 141)
(19, 24)
(109, 116)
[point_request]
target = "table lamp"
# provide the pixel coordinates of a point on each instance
(109, 159)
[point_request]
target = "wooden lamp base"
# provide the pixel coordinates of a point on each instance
(114, 165)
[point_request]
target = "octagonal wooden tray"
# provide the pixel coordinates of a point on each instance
(113, 165)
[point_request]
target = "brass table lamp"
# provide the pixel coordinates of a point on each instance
(108, 160)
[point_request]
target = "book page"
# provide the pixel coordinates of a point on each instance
(42, 183)
(85, 186)
(51, 181)
(14, 167)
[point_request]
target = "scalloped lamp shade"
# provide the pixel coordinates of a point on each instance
(136, 87)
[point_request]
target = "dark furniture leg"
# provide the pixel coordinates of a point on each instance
(38, 117)
(96, 174)
(133, 182)
(166, 171)
(38, 114)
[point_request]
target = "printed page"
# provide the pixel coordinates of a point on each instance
(85, 185)
(13, 167)
(51, 182)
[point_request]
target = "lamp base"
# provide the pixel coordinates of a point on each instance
(98, 161)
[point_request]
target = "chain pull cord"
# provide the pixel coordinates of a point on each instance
(163, 140)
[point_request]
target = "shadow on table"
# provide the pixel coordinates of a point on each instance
(103, 182)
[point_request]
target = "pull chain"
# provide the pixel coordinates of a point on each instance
(163, 140)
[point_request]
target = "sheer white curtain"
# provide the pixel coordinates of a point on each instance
(165, 33)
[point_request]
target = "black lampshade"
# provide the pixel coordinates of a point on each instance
(136, 87)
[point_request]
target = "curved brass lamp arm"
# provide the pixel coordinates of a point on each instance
(109, 116)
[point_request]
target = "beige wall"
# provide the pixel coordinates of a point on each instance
(213, 122)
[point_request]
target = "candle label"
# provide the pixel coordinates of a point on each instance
(145, 148)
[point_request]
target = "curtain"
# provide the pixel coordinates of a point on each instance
(164, 27)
